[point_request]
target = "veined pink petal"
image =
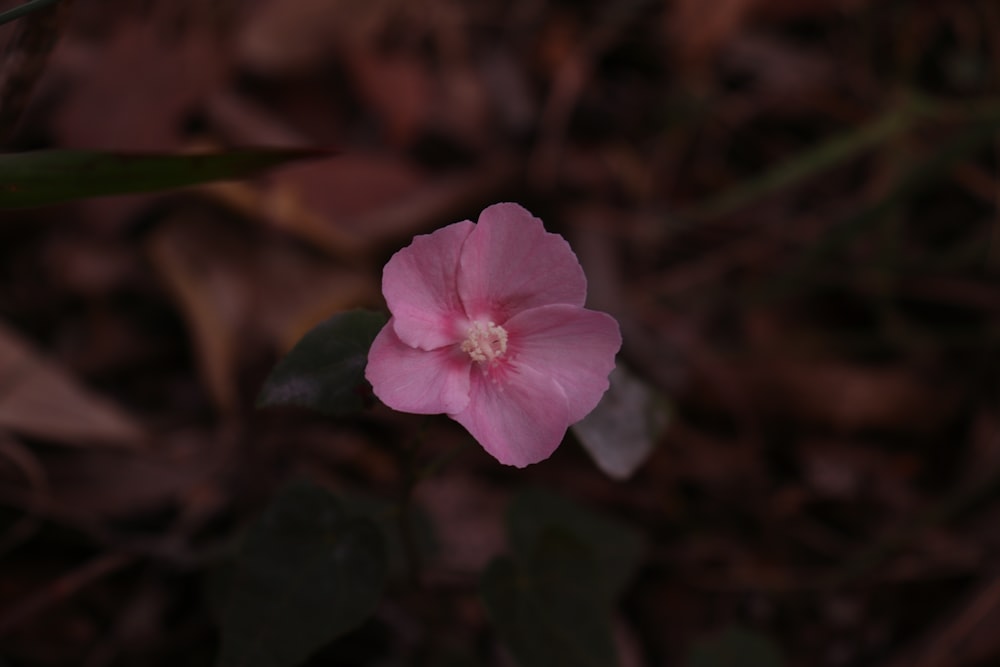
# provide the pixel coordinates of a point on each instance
(419, 284)
(574, 346)
(424, 382)
(520, 420)
(510, 263)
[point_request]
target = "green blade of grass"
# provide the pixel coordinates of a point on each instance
(39, 178)
(912, 112)
(24, 10)
(808, 163)
(973, 137)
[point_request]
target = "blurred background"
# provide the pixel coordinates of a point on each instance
(791, 206)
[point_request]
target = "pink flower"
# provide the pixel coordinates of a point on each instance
(488, 327)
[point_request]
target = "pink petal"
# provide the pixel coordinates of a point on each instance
(520, 420)
(510, 263)
(424, 382)
(574, 346)
(419, 284)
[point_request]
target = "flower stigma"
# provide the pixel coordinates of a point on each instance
(486, 342)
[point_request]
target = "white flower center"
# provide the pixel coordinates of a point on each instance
(485, 342)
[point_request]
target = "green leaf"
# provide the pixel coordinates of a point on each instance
(546, 609)
(385, 515)
(308, 573)
(38, 178)
(552, 601)
(325, 370)
(616, 548)
(735, 647)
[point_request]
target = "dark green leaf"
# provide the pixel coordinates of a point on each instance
(546, 608)
(616, 548)
(736, 647)
(38, 178)
(308, 573)
(325, 370)
(386, 515)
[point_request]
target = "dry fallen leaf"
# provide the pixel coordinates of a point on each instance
(87, 487)
(296, 36)
(398, 88)
(210, 299)
(292, 36)
(697, 29)
(850, 398)
(231, 290)
(352, 205)
(92, 486)
(133, 92)
(40, 400)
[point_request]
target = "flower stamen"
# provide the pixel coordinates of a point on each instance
(486, 342)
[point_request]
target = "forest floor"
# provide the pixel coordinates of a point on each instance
(790, 207)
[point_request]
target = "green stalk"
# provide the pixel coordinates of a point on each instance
(24, 10)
